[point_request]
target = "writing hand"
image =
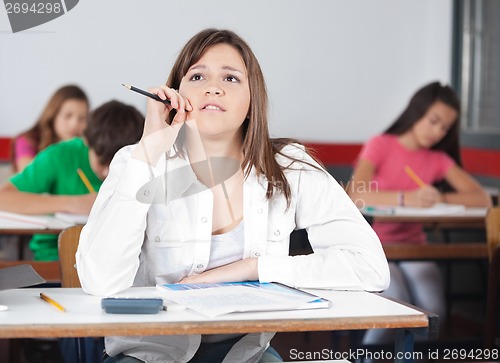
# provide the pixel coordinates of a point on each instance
(81, 204)
(425, 197)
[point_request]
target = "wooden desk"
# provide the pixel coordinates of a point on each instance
(29, 316)
(436, 252)
(24, 230)
(49, 270)
(28, 231)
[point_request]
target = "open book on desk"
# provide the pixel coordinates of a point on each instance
(248, 296)
(22, 221)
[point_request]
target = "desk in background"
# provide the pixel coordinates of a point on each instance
(463, 225)
(50, 271)
(23, 227)
(29, 317)
(470, 217)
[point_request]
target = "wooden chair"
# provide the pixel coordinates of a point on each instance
(68, 243)
(493, 238)
(86, 349)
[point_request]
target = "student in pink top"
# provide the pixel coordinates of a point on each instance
(425, 137)
(63, 118)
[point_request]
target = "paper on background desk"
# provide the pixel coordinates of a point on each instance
(19, 276)
(438, 209)
(10, 220)
(72, 218)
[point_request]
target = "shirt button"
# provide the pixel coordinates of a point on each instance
(260, 211)
(277, 233)
(204, 220)
(256, 254)
(146, 193)
(199, 266)
(157, 239)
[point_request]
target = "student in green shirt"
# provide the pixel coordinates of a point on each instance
(51, 182)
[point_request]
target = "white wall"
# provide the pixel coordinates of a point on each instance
(336, 70)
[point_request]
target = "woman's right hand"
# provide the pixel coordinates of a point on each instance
(158, 136)
(423, 197)
(157, 112)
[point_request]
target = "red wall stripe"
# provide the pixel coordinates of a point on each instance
(484, 162)
(5, 148)
(331, 154)
(481, 161)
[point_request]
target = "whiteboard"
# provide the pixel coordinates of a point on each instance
(336, 70)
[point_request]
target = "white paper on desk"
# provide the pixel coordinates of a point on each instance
(72, 218)
(437, 209)
(21, 221)
(214, 301)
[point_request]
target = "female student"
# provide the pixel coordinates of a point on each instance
(424, 138)
(170, 211)
(63, 118)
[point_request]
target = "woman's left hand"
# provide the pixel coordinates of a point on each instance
(243, 270)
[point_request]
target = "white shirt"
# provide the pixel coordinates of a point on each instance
(128, 243)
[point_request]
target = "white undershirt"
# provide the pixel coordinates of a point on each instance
(225, 248)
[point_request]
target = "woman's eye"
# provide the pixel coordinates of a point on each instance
(232, 79)
(196, 77)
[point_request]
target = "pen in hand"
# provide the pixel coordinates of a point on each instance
(51, 301)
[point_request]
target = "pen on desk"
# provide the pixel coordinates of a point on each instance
(414, 177)
(85, 180)
(51, 301)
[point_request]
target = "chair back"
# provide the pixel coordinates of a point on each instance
(68, 244)
(493, 238)
(493, 230)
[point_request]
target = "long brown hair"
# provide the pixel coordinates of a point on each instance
(42, 133)
(258, 148)
(418, 106)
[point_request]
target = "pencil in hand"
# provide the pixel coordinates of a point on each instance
(414, 177)
(148, 94)
(85, 180)
(145, 93)
(51, 301)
